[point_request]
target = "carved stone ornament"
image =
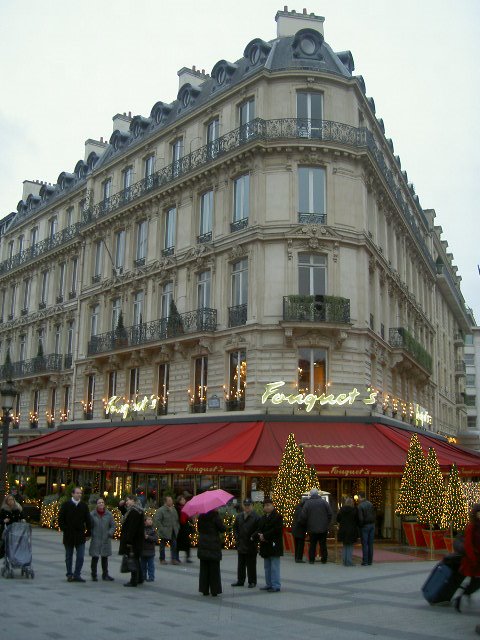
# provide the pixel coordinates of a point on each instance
(236, 252)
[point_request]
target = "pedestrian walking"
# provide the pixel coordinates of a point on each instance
(132, 536)
(167, 525)
(270, 534)
(184, 531)
(75, 522)
(244, 527)
(299, 530)
(209, 552)
(348, 531)
(317, 515)
(470, 564)
(366, 520)
(148, 552)
(103, 530)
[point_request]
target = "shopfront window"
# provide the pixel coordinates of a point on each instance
(182, 483)
(232, 484)
(204, 483)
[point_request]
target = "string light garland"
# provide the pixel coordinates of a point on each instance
(471, 491)
(455, 507)
(293, 479)
(413, 478)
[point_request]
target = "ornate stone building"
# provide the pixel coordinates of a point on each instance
(258, 228)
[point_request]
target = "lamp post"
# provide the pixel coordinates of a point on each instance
(8, 393)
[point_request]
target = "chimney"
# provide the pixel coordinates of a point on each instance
(121, 122)
(192, 76)
(289, 22)
(98, 146)
(31, 187)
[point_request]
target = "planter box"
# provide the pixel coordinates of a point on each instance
(414, 534)
(435, 539)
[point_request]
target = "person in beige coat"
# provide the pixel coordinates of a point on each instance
(167, 525)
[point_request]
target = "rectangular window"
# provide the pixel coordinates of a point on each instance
(120, 250)
(470, 359)
(176, 153)
(312, 274)
(142, 235)
(36, 408)
(309, 114)
(470, 400)
(312, 371)
(61, 282)
(138, 308)
(97, 260)
(94, 318)
(241, 198)
(237, 377)
(203, 289)
(134, 387)
(53, 403)
(213, 132)
(127, 181)
(58, 340)
(69, 217)
(163, 388)
(470, 382)
(11, 246)
(2, 304)
(70, 328)
(112, 384)
(52, 227)
(149, 166)
(167, 297)
(240, 282)
(73, 288)
(199, 396)
(20, 244)
(472, 422)
(206, 216)
(66, 403)
(26, 294)
(23, 346)
(311, 195)
(170, 221)
(13, 300)
(246, 113)
(44, 288)
(116, 309)
(89, 406)
(106, 193)
(33, 236)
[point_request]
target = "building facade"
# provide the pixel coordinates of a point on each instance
(257, 229)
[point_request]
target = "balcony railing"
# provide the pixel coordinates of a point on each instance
(204, 237)
(460, 367)
(316, 309)
(34, 366)
(237, 404)
(312, 218)
(400, 338)
(238, 225)
(237, 316)
(168, 251)
(139, 262)
(175, 325)
(256, 130)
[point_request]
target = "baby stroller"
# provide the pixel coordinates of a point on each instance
(17, 539)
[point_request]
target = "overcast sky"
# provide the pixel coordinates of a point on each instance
(67, 67)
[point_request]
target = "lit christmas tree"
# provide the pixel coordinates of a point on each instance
(430, 508)
(292, 480)
(455, 507)
(471, 491)
(412, 481)
(313, 481)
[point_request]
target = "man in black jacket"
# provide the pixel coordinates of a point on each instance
(74, 520)
(317, 515)
(366, 519)
(243, 529)
(270, 534)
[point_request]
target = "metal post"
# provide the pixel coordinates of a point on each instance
(3, 463)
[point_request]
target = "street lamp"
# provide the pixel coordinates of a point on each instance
(8, 394)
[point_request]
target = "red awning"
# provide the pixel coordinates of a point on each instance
(334, 448)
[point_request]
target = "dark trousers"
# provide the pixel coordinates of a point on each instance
(94, 565)
(367, 535)
(210, 580)
(80, 549)
(299, 546)
(321, 538)
(247, 566)
(136, 576)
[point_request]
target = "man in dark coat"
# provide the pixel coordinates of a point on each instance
(132, 536)
(366, 520)
(270, 534)
(299, 530)
(317, 515)
(243, 529)
(74, 520)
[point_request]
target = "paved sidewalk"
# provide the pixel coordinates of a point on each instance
(321, 601)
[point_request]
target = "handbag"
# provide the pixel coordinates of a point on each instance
(129, 563)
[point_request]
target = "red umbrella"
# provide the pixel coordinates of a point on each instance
(206, 501)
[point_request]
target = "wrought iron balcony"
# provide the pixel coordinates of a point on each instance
(96, 278)
(139, 262)
(460, 367)
(238, 225)
(198, 407)
(42, 304)
(237, 404)
(24, 311)
(458, 339)
(237, 316)
(68, 361)
(331, 309)
(176, 325)
(72, 295)
(400, 338)
(312, 218)
(59, 299)
(205, 237)
(32, 367)
(168, 251)
(259, 130)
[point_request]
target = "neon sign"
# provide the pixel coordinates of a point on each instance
(128, 408)
(310, 399)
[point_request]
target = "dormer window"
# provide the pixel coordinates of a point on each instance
(222, 72)
(92, 160)
(187, 94)
(256, 52)
(307, 44)
(160, 112)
